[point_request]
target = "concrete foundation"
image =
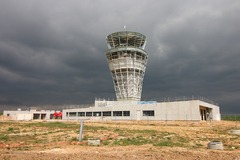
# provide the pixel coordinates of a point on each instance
(94, 142)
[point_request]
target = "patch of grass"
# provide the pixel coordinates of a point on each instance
(172, 142)
(95, 128)
(163, 143)
(24, 149)
(10, 129)
(85, 138)
(106, 143)
(116, 143)
(74, 139)
(132, 141)
(54, 125)
(2, 137)
(231, 118)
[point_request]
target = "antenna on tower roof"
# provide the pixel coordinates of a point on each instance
(125, 27)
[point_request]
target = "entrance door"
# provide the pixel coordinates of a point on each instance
(138, 115)
(205, 113)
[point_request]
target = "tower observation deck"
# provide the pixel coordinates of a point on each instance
(127, 62)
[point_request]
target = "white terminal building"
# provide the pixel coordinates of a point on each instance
(127, 62)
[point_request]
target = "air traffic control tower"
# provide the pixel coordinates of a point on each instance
(127, 62)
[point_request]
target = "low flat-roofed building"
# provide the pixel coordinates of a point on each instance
(29, 114)
(187, 109)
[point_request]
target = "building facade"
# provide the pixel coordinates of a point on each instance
(194, 110)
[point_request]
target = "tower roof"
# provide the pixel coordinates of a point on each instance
(126, 38)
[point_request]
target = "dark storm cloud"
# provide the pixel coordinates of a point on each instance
(52, 52)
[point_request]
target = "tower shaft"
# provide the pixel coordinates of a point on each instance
(127, 62)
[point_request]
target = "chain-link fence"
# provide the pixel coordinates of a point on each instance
(231, 117)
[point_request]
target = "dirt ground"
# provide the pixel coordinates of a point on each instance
(119, 152)
(5, 118)
(194, 131)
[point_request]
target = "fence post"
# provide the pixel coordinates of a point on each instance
(131, 118)
(147, 120)
(236, 120)
(210, 121)
(67, 116)
(166, 120)
(80, 134)
(187, 119)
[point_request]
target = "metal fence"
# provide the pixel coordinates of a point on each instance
(78, 106)
(167, 99)
(170, 99)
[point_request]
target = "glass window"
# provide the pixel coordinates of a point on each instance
(126, 113)
(148, 113)
(72, 114)
(107, 113)
(96, 114)
(89, 114)
(81, 114)
(117, 113)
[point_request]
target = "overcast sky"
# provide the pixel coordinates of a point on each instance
(52, 52)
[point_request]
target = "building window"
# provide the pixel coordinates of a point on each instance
(36, 116)
(96, 114)
(66, 114)
(117, 113)
(107, 113)
(72, 114)
(148, 113)
(89, 114)
(126, 113)
(8, 114)
(81, 114)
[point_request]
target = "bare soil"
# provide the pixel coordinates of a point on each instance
(5, 118)
(196, 132)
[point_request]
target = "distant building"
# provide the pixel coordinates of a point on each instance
(29, 114)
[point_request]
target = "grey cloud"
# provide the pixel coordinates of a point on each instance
(52, 53)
